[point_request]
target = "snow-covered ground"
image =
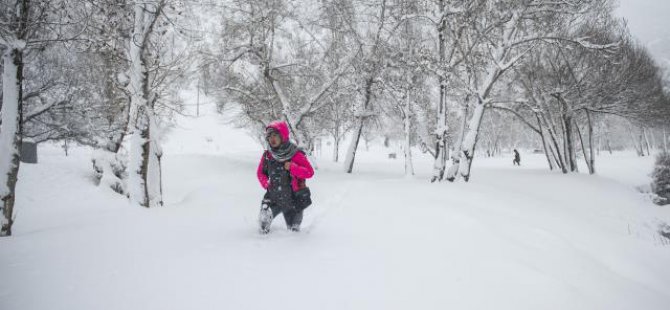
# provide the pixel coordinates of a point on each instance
(511, 238)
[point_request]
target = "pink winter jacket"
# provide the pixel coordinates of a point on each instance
(300, 169)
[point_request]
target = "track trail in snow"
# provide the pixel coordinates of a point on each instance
(322, 209)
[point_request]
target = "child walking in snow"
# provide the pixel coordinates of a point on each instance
(282, 172)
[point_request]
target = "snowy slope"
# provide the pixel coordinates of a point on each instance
(512, 238)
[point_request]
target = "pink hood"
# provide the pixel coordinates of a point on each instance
(281, 127)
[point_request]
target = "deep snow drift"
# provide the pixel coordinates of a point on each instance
(511, 238)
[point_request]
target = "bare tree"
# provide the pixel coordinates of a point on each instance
(25, 26)
(153, 72)
(279, 60)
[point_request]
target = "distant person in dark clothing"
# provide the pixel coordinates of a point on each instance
(517, 158)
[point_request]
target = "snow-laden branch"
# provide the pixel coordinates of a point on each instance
(511, 62)
(553, 39)
(517, 114)
(42, 109)
(585, 43)
(312, 105)
(497, 68)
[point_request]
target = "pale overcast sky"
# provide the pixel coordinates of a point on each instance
(649, 21)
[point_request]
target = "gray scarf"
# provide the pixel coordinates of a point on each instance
(284, 152)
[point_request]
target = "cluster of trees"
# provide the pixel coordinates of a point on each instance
(96, 73)
(449, 73)
(441, 75)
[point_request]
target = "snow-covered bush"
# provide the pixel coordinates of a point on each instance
(110, 170)
(661, 179)
(664, 231)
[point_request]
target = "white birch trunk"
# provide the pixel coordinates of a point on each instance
(358, 131)
(153, 178)
(440, 163)
(136, 183)
(10, 138)
(470, 142)
(464, 123)
(336, 148)
(143, 187)
(441, 150)
(138, 103)
(453, 170)
(353, 146)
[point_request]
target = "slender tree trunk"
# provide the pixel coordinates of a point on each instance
(586, 155)
(351, 153)
(640, 145)
(453, 171)
(557, 160)
(646, 140)
(544, 142)
(558, 155)
(336, 146)
(653, 139)
(464, 122)
(665, 140)
(409, 168)
(566, 157)
(441, 149)
(592, 159)
(609, 146)
(607, 138)
(566, 134)
(636, 144)
(10, 132)
(197, 100)
(360, 123)
(569, 143)
(555, 153)
(553, 134)
(556, 149)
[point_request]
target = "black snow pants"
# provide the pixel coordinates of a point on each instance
(270, 210)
